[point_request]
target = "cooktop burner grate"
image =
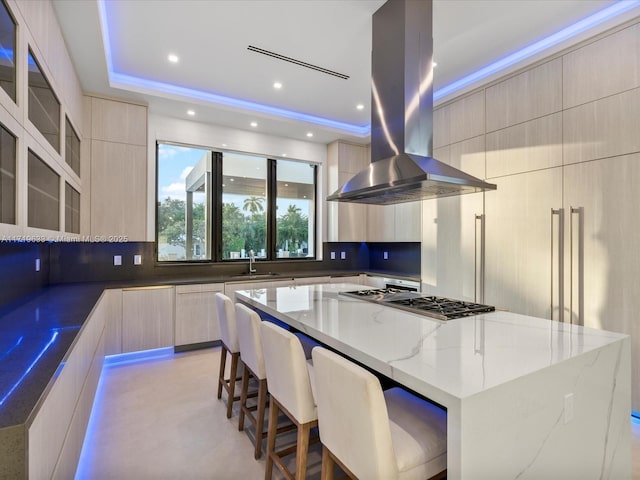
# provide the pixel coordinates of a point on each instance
(440, 308)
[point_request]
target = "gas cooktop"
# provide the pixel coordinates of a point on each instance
(440, 308)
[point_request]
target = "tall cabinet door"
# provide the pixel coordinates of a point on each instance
(452, 241)
(523, 239)
(605, 198)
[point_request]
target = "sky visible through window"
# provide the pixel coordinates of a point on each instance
(174, 164)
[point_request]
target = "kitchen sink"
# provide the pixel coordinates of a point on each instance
(253, 276)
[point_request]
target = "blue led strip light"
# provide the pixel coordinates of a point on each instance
(30, 367)
(12, 348)
(537, 47)
(119, 79)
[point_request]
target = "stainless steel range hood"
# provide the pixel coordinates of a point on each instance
(402, 169)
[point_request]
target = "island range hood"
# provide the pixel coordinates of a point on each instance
(402, 168)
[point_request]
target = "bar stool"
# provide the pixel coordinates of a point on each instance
(290, 392)
(230, 344)
(252, 359)
(371, 434)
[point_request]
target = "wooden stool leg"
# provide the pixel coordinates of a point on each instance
(262, 403)
(232, 382)
(271, 438)
(302, 450)
(223, 362)
(243, 397)
(327, 465)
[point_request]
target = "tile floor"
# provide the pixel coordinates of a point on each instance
(159, 418)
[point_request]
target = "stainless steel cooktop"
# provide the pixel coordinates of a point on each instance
(440, 308)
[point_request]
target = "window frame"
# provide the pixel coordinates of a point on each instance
(14, 95)
(214, 203)
(58, 146)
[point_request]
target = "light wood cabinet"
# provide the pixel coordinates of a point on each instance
(602, 197)
(147, 318)
(196, 318)
(118, 200)
(531, 94)
(56, 433)
(606, 67)
(452, 230)
(346, 222)
(519, 251)
(119, 122)
(112, 301)
(601, 129)
(525, 147)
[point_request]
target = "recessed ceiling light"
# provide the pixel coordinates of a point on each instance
(232, 180)
(277, 85)
(309, 134)
(435, 64)
(191, 112)
(254, 124)
(224, 144)
(360, 106)
(173, 58)
(223, 185)
(284, 154)
(286, 184)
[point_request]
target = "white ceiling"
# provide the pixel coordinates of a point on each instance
(211, 39)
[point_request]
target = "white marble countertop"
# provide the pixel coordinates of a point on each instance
(445, 361)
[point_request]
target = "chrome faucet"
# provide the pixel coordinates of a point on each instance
(252, 259)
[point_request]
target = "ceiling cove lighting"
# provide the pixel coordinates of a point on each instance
(566, 33)
(154, 87)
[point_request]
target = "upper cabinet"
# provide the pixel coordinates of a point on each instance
(346, 222)
(531, 94)
(605, 67)
(117, 168)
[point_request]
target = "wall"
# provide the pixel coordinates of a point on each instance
(38, 29)
(18, 275)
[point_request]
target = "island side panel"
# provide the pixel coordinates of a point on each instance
(524, 429)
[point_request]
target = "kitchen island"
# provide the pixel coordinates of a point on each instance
(526, 398)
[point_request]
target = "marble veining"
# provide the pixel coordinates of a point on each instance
(526, 398)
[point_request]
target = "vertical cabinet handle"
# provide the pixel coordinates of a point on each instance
(478, 297)
(560, 268)
(579, 211)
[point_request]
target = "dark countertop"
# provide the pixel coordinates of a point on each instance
(37, 331)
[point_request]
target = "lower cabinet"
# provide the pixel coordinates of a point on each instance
(196, 316)
(56, 432)
(357, 279)
(147, 318)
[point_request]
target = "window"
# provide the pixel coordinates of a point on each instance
(7, 52)
(244, 206)
(44, 107)
(72, 147)
(295, 211)
(184, 213)
(7, 177)
(72, 209)
(219, 206)
(43, 202)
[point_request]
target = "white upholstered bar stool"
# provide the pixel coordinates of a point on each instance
(252, 358)
(230, 344)
(290, 391)
(371, 434)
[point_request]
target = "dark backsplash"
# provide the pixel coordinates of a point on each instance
(72, 262)
(18, 275)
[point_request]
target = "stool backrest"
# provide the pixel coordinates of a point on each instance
(227, 319)
(287, 372)
(352, 416)
(250, 339)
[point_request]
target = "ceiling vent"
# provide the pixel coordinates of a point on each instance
(284, 58)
